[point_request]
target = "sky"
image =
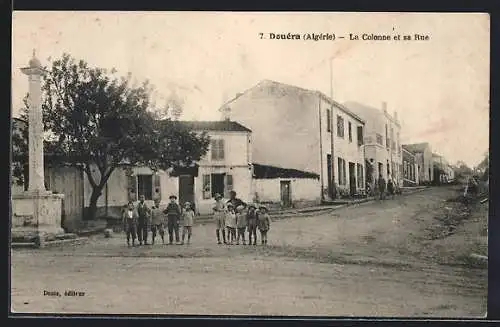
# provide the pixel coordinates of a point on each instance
(439, 87)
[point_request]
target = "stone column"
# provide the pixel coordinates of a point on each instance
(36, 214)
(35, 126)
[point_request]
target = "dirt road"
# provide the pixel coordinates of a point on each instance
(373, 259)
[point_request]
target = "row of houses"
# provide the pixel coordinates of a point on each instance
(275, 143)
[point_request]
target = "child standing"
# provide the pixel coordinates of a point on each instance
(231, 223)
(157, 221)
(130, 217)
(173, 213)
(241, 224)
(252, 224)
(264, 223)
(219, 216)
(187, 222)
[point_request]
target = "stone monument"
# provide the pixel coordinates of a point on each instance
(36, 213)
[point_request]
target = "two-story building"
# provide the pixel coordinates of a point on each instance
(225, 167)
(410, 168)
(383, 151)
(423, 156)
(443, 173)
(307, 135)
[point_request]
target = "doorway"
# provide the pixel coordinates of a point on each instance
(352, 178)
(186, 189)
(286, 195)
(330, 175)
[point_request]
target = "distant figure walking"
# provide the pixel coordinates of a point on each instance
(390, 188)
(381, 187)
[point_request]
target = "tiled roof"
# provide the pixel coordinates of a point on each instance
(219, 125)
(416, 147)
(266, 171)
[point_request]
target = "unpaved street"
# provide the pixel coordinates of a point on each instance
(373, 259)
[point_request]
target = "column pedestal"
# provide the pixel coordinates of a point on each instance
(36, 216)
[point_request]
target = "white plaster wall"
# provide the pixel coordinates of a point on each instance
(237, 148)
(302, 189)
(284, 122)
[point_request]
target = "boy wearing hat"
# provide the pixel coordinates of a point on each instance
(130, 217)
(219, 216)
(263, 223)
(187, 222)
(173, 213)
(157, 221)
(241, 224)
(252, 224)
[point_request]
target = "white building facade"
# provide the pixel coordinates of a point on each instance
(383, 151)
(299, 129)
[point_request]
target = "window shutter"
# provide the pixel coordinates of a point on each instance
(206, 187)
(229, 185)
(132, 188)
(221, 150)
(156, 187)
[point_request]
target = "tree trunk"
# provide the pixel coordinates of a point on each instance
(92, 211)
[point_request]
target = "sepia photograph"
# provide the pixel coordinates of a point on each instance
(320, 164)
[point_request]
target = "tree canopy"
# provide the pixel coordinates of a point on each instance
(93, 117)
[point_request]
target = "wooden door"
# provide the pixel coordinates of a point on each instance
(286, 194)
(330, 175)
(186, 189)
(352, 178)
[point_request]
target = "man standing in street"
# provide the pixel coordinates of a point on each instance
(381, 186)
(144, 223)
(235, 201)
(173, 213)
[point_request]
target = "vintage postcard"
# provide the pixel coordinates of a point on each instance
(254, 164)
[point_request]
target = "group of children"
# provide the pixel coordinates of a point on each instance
(231, 217)
(138, 221)
(235, 217)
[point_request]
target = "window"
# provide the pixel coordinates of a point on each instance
(228, 185)
(360, 135)
(349, 127)
(145, 186)
(340, 126)
(217, 184)
(217, 150)
(387, 144)
(342, 171)
(397, 141)
(328, 120)
(388, 169)
(379, 139)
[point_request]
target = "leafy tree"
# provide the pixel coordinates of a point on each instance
(94, 119)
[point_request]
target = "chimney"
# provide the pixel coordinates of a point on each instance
(226, 113)
(384, 107)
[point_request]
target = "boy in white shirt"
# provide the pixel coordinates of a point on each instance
(231, 223)
(187, 222)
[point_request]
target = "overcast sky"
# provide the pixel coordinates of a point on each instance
(440, 87)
